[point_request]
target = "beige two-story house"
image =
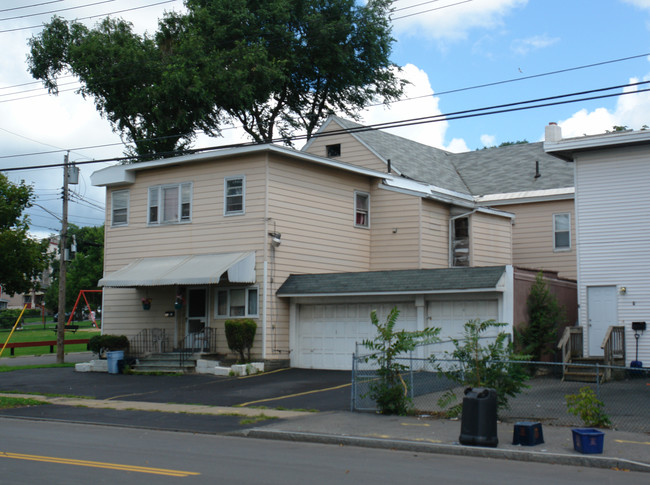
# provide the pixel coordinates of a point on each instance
(308, 243)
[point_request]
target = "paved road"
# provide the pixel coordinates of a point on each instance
(289, 388)
(74, 454)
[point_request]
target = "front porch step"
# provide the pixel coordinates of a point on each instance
(164, 362)
(583, 369)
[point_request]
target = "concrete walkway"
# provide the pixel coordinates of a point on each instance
(622, 450)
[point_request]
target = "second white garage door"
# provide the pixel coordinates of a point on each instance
(326, 334)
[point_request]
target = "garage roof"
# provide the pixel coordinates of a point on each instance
(199, 269)
(443, 280)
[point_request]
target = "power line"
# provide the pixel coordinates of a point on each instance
(95, 16)
(471, 113)
(430, 10)
(29, 6)
(56, 11)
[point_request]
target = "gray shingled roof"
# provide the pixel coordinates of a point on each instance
(399, 281)
(512, 169)
(412, 159)
(490, 171)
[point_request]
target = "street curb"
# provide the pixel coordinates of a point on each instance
(445, 449)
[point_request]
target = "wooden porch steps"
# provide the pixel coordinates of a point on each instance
(164, 362)
(583, 369)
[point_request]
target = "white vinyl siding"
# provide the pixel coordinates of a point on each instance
(613, 230)
(170, 204)
(562, 232)
(234, 195)
(120, 208)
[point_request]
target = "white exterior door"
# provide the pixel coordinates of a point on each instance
(601, 314)
(326, 335)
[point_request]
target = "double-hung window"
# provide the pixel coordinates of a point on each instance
(361, 209)
(170, 204)
(237, 302)
(120, 208)
(234, 195)
(562, 232)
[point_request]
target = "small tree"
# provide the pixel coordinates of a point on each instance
(475, 363)
(240, 335)
(588, 407)
(390, 391)
(544, 314)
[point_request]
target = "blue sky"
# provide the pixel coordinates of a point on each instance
(456, 44)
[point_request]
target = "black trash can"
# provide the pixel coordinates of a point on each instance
(478, 425)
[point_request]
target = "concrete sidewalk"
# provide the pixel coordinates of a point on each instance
(622, 450)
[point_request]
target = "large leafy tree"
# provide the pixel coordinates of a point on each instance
(275, 66)
(152, 97)
(85, 269)
(22, 259)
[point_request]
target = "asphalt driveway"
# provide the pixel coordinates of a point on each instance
(287, 388)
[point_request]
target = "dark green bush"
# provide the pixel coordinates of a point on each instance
(9, 317)
(240, 335)
(101, 343)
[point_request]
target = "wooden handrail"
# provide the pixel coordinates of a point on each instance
(614, 343)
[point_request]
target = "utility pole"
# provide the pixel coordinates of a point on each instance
(60, 333)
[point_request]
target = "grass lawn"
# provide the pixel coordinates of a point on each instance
(36, 333)
(18, 402)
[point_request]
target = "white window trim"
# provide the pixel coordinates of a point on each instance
(243, 195)
(564, 248)
(246, 303)
(366, 226)
(160, 203)
(128, 204)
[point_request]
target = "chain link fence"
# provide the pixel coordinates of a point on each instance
(624, 391)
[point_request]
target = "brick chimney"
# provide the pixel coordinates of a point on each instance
(552, 132)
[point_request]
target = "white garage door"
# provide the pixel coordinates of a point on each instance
(451, 316)
(326, 334)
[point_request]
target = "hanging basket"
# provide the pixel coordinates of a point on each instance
(178, 305)
(146, 306)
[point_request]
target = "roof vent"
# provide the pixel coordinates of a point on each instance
(537, 174)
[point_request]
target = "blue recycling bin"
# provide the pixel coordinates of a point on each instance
(115, 360)
(479, 418)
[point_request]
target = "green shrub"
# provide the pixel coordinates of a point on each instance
(390, 391)
(478, 364)
(8, 318)
(588, 407)
(106, 343)
(240, 335)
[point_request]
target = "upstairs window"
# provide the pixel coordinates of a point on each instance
(333, 150)
(120, 208)
(361, 209)
(459, 229)
(562, 232)
(170, 204)
(234, 192)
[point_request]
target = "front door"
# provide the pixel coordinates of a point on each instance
(601, 314)
(197, 310)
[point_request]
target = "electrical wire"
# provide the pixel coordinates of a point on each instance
(471, 113)
(29, 6)
(430, 10)
(56, 11)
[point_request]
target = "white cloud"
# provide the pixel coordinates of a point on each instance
(639, 3)
(632, 110)
(524, 46)
(450, 20)
(488, 140)
(421, 102)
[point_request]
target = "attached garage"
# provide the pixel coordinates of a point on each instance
(330, 313)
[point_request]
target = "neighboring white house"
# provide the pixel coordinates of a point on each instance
(612, 195)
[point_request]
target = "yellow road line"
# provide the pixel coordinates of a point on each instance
(424, 425)
(294, 395)
(98, 464)
(634, 442)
